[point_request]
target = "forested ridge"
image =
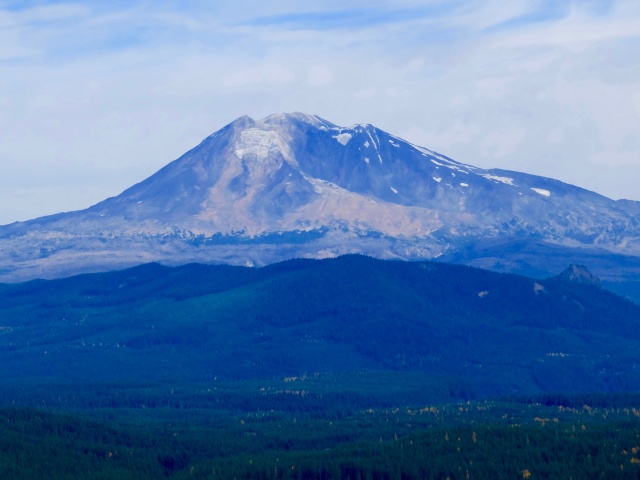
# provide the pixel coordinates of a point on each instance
(467, 333)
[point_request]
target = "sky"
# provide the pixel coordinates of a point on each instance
(97, 96)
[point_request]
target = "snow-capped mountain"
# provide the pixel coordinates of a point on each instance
(295, 185)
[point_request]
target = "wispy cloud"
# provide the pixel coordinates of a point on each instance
(528, 13)
(363, 17)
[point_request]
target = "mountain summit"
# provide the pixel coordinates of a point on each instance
(579, 274)
(296, 185)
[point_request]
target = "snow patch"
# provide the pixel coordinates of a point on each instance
(366, 144)
(464, 184)
(437, 179)
(326, 187)
(393, 190)
(542, 191)
(447, 161)
(261, 143)
(452, 167)
(372, 140)
(394, 144)
(375, 145)
(505, 180)
(366, 159)
(343, 138)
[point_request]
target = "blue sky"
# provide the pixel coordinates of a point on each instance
(96, 96)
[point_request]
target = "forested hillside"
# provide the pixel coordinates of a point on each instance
(458, 441)
(454, 332)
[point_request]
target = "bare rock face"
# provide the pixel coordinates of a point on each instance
(296, 185)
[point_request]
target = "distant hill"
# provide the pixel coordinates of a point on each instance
(449, 331)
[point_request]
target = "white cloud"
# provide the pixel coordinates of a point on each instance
(495, 88)
(364, 94)
(258, 75)
(635, 100)
(43, 13)
(578, 28)
(320, 76)
(502, 143)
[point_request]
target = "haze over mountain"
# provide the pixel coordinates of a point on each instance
(296, 185)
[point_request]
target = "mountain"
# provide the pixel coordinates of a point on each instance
(436, 330)
(295, 185)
